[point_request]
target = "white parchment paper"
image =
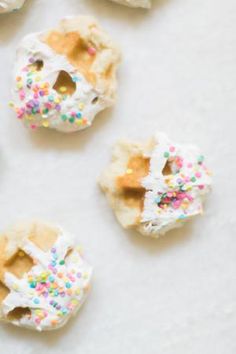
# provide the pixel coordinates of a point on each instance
(176, 295)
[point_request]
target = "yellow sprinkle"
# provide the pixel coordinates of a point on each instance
(38, 78)
(45, 124)
(129, 171)
(78, 292)
(62, 89)
(81, 106)
(19, 85)
(74, 301)
(11, 104)
(30, 117)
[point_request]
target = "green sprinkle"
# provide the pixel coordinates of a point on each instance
(34, 110)
(64, 117)
(200, 159)
(166, 154)
(193, 179)
(71, 119)
(62, 262)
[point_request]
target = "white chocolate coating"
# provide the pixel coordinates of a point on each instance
(135, 3)
(38, 104)
(172, 199)
(10, 5)
(53, 290)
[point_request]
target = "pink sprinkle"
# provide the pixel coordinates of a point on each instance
(48, 105)
(176, 204)
(22, 95)
(71, 278)
(201, 186)
(33, 126)
(39, 287)
(190, 198)
(92, 51)
(198, 174)
(181, 195)
(20, 113)
(190, 165)
(172, 149)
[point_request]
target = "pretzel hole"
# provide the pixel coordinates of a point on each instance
(75, 49)
(19, 264)
(37, 65)
(18, 313)
(167, 169)
(94, 101)
(64, 84)
(4, 291)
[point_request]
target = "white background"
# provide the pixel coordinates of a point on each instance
(176, 295)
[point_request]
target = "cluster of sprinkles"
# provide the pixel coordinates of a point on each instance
(187, 178)
(44, 100)
(55, 291)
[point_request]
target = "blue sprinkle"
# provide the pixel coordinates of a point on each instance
(75, 79)
(51, 278)
(181, 217)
